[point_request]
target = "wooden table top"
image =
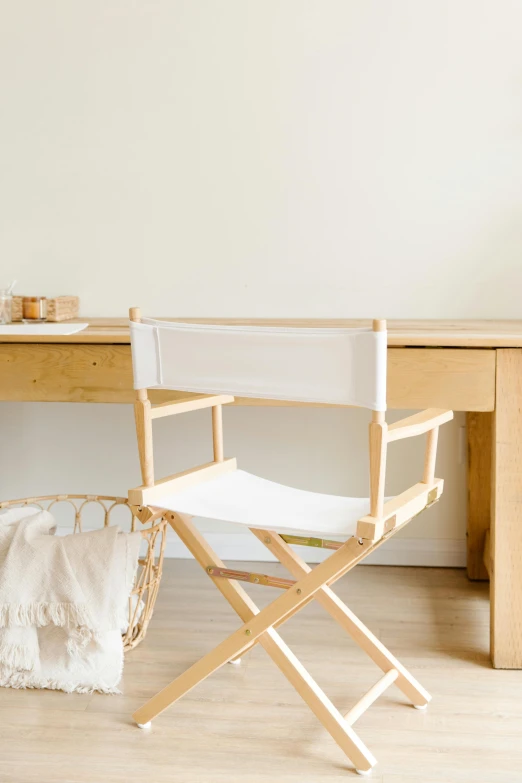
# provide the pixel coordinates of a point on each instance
(433, 333)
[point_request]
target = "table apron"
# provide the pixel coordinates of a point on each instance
(456, 378)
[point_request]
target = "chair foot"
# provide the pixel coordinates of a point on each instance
(144, 725)
(366, 772)
(420, 706)
(236, 661)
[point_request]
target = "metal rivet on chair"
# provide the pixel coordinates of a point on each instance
(248, 632)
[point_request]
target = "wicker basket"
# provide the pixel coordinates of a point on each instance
(150, 565)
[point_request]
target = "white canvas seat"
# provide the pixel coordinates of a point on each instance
(249, 500)
(328, 366)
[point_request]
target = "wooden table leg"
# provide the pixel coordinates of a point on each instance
(506, 522)
(480, 452)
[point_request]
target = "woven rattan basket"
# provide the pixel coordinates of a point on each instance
(150, 564)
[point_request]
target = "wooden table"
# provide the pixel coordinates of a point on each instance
(472, 366)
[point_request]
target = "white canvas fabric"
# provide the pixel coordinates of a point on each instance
(255, 502)
(328, 365)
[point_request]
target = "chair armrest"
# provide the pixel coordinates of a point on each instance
(153, 495)
(400, 510)
(418, 424)
(191, 404)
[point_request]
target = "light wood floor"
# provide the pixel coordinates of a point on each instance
(247, 723)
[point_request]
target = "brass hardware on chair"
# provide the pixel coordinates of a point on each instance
(247, 576)
(321, 543)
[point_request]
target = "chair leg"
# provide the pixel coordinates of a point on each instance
(334, 723)
(347, 619)
(286, 661)
(228, 649)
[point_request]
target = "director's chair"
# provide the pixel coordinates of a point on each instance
(321, 365)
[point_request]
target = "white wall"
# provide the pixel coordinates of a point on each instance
(263, 158)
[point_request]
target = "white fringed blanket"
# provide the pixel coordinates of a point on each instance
(63, 603)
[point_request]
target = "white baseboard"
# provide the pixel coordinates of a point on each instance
(435, 552)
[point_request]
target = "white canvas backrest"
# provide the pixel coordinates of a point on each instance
(324, 365)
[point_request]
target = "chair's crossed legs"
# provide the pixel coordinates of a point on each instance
(259, 626)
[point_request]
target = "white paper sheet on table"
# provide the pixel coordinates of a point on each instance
(42, 329)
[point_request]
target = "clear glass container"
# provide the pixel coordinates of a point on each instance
(6, 307)
(34, 308)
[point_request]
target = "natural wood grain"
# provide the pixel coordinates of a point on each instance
(487, 551)
(506, 522)
(371, 696)
(228, 729)
(480, 452)
(430, 455)
(420, 332)
(399, 510)
(147, 495)
(260, 626)
(418, 424)
(459, 380)
(194, 403)
(142, 416)
(378, 434)
(342, 614)
(282, 608)
(280, 653)
(377, 437)
(143, 419)
(217, 432)
(66, 373)
(417, 378)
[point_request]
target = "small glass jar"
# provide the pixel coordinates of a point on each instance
(6, 307)
(34, 308)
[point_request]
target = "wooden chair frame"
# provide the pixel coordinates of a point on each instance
(259, 626)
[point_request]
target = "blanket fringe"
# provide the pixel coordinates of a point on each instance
(17, 656)
(65, 615)
(27, 681)
(86, 655)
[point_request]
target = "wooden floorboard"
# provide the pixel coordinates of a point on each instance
(247, 723)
